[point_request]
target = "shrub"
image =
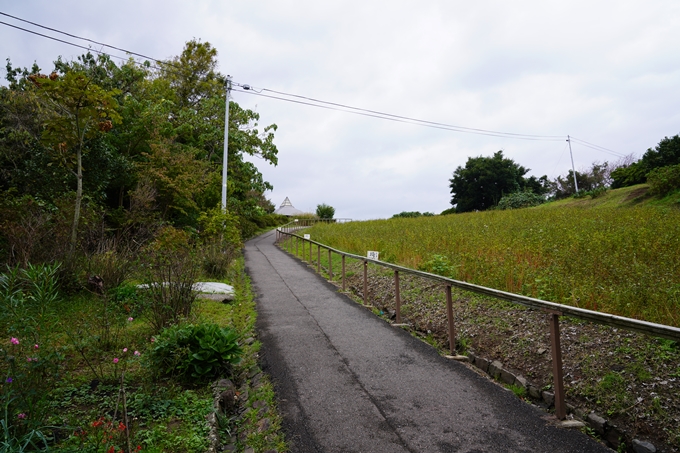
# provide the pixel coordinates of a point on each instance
(664, 180)
(439, 265)
(520, 200)
(189, 352)
(172, 270)
(324, 211)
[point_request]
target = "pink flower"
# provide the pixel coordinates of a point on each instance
(14, 340)
(130, 319)
(137, 353)
(22, 416)
(115, 360)
(28, 359)
(124, 349)
(153, 339)
(35, 346)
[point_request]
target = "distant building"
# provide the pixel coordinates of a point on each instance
(287, 208)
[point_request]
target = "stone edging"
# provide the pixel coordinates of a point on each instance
(610, 434)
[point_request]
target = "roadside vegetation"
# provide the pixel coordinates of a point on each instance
(110, 184)
(589, 253)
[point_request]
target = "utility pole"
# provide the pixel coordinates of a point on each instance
(573, 170)
(226, 148)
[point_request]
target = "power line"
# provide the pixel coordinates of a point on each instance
(311, 101)
(460, 128)
(73, 36)
(400, 119)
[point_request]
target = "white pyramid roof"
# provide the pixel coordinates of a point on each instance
(287, 208)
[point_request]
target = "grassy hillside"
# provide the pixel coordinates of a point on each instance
(618, 253)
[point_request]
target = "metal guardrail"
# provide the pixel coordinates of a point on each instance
(554, 310)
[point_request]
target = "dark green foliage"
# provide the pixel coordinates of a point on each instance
(324, 211)
(664, 180)
(666, 153)
(411, 214)
(485, 180)
(520, 200)
(629, 175)
(195, 352)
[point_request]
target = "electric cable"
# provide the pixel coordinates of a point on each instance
(248, 89)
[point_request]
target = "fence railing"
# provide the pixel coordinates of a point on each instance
(553, 310)
(304, 223)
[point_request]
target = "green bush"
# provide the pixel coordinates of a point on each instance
(190, 352)
(439, 265)
(664, 180)
(520, 200)
(324, 211)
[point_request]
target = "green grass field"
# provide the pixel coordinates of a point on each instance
(619, 253)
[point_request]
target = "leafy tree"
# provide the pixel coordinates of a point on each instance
(324, 211)
(79, 110)
(666, 153)
(594, 178)
(484, 180)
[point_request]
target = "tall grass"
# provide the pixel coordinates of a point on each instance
(624, 261)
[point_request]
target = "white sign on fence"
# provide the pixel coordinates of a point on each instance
(307, 236)
(372, 255)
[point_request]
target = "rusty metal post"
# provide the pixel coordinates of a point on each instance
(449, 316)
(397, 296)
(365, 282)
(558, 378)
(318, 259)
(343, 272)
(330, 266)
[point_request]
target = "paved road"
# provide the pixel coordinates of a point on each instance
(349, 382)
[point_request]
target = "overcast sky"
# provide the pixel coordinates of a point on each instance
(607, 72)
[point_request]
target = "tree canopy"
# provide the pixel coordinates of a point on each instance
(483, 181)
(104, 134)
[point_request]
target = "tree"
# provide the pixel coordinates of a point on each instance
(324, 211)
(484, 180)
(80, 110)
(666, 153)
(596, 177)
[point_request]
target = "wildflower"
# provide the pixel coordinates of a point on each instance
(137, 353)
(14, 340)
(28, 359)
(130, 319)
(153, 339)
(115, 360)
(9, 380)
(121, 426)
(22, 416)
(35, 346)
(97, 423)
(124, 349)
(111, 449)
(139, 448)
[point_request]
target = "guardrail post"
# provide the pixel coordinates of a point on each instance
(297, 241)
(558, 378)
(318, 258)
(365, 282)
(330, 266)
(310, 253)
(397, 296)
(303, 249)
(343, 272)
(449, 316)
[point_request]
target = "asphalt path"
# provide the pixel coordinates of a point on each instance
(347, 381)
